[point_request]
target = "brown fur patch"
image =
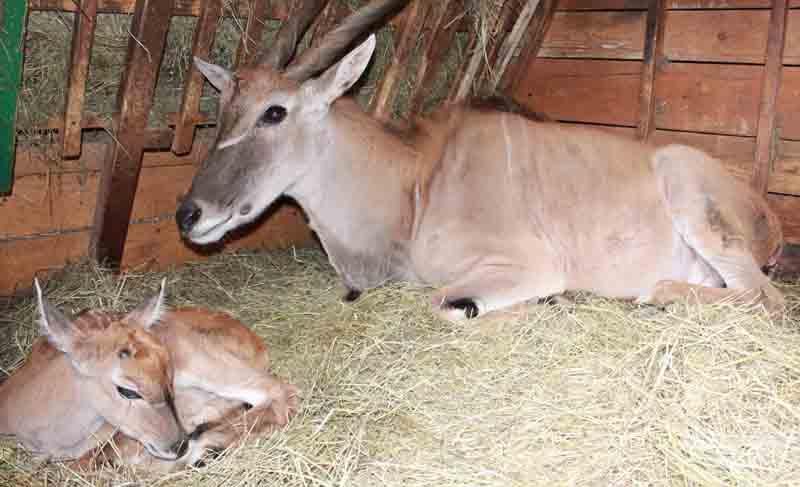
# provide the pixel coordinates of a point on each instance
(720, 225)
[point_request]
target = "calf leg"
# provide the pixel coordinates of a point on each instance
(712, 214)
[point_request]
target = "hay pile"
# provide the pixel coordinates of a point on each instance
(591, 393)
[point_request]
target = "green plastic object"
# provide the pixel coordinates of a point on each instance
(12, 28)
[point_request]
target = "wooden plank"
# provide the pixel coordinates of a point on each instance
(380, 104)
(531, 44)
(152, 245)
(770, 87)
(789, 103)
(716, 36)
(82, 39)
(328, 19)
(508, 12)
(714, 98)
(599, 35)
(278, 10)
(788, 209)
(785, 176)
(121, 173)
(595, 91)
(512, 42)
(672, 4)
(653, 56)
(204, 34)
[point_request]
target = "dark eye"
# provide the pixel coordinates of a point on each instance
(128, 393)
(274, 114)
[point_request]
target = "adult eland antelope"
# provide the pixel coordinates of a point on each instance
(148, 376)
(495, 207)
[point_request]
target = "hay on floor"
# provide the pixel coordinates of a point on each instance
(595, 392)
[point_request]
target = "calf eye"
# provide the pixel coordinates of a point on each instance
(128, 393)
(274, 114)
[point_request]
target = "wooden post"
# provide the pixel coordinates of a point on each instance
(120, 174)
(82, 39)
(653, 55)
(511, 42)
(190, 105)
(770, 87)
(405, 47)
(12, 30)
(531, 43)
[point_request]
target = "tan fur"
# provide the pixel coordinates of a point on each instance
(494, 207)
(216, 368)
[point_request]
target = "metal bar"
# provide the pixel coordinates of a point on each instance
(82, 38)
(120, 174)
(12, 30)
(770, 87)
(511, 42)
(653, 54)
(190, 105)
(405, 47)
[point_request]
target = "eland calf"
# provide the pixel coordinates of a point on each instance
(148, 377)
(495, 207)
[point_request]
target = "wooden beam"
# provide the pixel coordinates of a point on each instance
(438, 35)
(82, 39)
(653, 55)
(542, 18)
(770, 87)
(409, 35)
(511, 42)
(120, 174)
(190, 104)
(333, 13)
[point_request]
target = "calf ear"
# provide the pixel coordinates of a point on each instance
(218, 76)
(341, 76)
(150, 312)
(57, 328)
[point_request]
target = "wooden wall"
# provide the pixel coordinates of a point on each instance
(46, 222)
(707, 83)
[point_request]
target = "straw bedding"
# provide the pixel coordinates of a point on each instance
(588, 392)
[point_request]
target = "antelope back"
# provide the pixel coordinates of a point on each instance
(124, 372)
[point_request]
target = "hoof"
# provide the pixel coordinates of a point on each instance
(466, 305)
(352, 295)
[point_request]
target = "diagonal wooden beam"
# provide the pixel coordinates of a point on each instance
(204, 34)
(511, 42)
(409, 35)
(653, 56)
(82, 39)
(120, 174)
(531, 43)
(770, 87)
(254, 30)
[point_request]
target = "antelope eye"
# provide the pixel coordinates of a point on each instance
(274, 114)
(128, 393)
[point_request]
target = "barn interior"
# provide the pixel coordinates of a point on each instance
(586, 391)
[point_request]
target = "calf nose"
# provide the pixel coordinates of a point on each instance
(187, 215)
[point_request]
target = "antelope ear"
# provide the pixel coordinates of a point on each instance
(341, 76)
(218, 76)
(150, 312)
(57, 328)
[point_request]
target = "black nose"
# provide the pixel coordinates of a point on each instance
(187, 215)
